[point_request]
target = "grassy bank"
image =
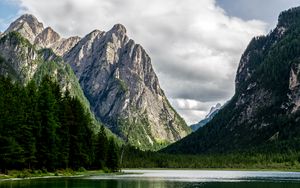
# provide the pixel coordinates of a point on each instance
(27, 173)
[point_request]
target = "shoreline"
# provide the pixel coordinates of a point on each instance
(222, 169)
(4, 177)
(87, 173)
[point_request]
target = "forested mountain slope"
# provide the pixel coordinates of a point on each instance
(265, 108)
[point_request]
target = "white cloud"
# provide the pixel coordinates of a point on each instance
(195, 46)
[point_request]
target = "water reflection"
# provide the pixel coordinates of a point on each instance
(168, 179)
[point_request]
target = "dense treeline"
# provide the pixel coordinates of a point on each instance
(255, 158)
(43, 128)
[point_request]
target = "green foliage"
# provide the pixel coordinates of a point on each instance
(113, 158)
(253, 159)
(41, 128)
(16, 39)
(122, 84)
(101, 148)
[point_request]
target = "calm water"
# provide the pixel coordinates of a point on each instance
(168, 179)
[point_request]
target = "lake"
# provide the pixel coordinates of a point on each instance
(167, 179)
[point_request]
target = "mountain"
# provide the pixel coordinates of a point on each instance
(265, 108)
(115, 75)
(33, 30)
(213, 111)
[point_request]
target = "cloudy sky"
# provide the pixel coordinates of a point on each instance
(195, 45)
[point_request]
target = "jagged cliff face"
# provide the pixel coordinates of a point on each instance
(119, 81)
(28, 26)
(265, 107)
(33, 30)
(115, 74)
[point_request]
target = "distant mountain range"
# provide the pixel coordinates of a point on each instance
(213, 111)
(264, 113)
(110, 73)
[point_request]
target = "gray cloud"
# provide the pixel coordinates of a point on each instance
(195, 47)
(266, 10)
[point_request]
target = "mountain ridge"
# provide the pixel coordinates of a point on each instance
(33, 30)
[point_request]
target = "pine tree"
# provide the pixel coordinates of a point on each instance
(80, 136)
(27, 129)
(113, 159)
(101, 148)
(66, 121)
(10, 150)
(47, 141)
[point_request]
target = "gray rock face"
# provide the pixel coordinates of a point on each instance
(47, 38)
(62, 46)
(23, 60)
(33, 30)
(294, 86)
(28, 26)
(122, 87)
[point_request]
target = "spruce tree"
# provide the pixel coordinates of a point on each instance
(80, 136)
(101, 148)
(113, 159)
(47, 141)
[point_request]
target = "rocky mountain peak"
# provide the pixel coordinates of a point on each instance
(47, 37)
(119, 28)
(33, 30)
(213, 109)
(28, 26)
(92, 35)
